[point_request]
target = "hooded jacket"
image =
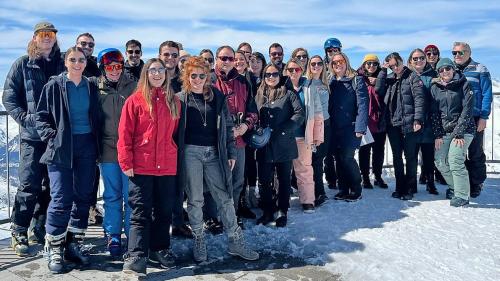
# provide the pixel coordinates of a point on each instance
(452, 107)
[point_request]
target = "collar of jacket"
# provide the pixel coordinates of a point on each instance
(233, 74)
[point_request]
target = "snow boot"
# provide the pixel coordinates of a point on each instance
(19, 243)
(237, 246)
(75, 250)
(54, 249)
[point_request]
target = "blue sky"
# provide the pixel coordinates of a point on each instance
(363, 26)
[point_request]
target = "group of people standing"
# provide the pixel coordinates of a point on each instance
(175, 128)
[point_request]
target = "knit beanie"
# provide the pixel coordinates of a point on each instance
(430, 47)
(445, 62)
(370, 57)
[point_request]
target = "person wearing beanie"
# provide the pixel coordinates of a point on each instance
(480, 82)
(453, 127)
(43, 60)
(114, 89)
(370, 70)
(432, 55)
(425, 143)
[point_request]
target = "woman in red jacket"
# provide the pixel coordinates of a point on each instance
(147, 154)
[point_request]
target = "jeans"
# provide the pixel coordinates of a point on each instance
(203, 167)
(476, 159)
(317, 161)
(407, 144)
(33, 194)
(150, 198)
(377, 149)
(348, 170)
(71, 189)
(266, 180)
(450, 162)
(115, 196)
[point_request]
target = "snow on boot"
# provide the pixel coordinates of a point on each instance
(237, 247)
(54, 249)
(199, 246)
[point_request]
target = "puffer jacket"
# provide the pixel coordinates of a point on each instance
(479, 79)
(426, 76)
(452, 107)
(23, 87)
(404, 100)
(238, 93)
(111, 101)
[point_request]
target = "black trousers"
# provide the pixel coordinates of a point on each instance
(266, 183)
(329, 165)
(33, 194)
(403, 144)
(427, 166)
(377, 149)
(317, 161)
(250, 167)
(347, 170)
(476, 159)
(151, 200)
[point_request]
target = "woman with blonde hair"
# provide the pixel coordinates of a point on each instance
(348, 108)
(147, 154)
(207, 157)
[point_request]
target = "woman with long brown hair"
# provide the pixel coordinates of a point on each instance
(147, 154)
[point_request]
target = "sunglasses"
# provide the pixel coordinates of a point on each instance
(170, 55)
(84, 44)
(43, 34)
(338, 62)
(246, 52)
(154, 71)
(202, 76)
(372, 63)
(314, 64)
(294, 69)
(455, 53)
(226, 58)
(209, 60)
(131, 52)
(415, 59)
(110, 67)
(333, 50)
(271, 74)
(301, 57)
(445, 68)
(80, 60)
(394, 66)
(276, 54)
(432, 53)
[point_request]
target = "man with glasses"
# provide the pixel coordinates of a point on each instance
(133, 64)
(22, 90)
(276, 55)
(479, 79)
(86, 42)
(168, 52)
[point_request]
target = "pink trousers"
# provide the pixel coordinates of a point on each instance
(304, 172)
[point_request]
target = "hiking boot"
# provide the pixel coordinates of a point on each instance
(475, 190)
(308, 208)
(55, 250)
(165, 258)
(199, 246)
(320, 200)
(458, 202)
(450, 193)
(366, 182)
(19, 243)
(182, 231)
(36, 231)
(265, 219)
(353, 197)
(237, 247)
(115, 245)
(340, 196)
(245, 212)
(380, 183)
(281, 219)
(75, 249)
(214, 226)
(134, 265)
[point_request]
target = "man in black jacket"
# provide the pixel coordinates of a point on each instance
(133, 64)
(22, 89)
(86, 42)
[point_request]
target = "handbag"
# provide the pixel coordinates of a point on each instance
(258, 137)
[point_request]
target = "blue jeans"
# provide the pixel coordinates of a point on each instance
(71, 190)
(202, 167)
(115, 199)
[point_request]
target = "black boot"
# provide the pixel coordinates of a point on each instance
(75, 250)
(380, 182)
(54, 250)
(430, 186)
(266, 218)
(366, 182)
(475, 190)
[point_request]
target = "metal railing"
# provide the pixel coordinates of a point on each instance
(387, 164)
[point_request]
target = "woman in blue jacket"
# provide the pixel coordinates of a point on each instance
(348, 108)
